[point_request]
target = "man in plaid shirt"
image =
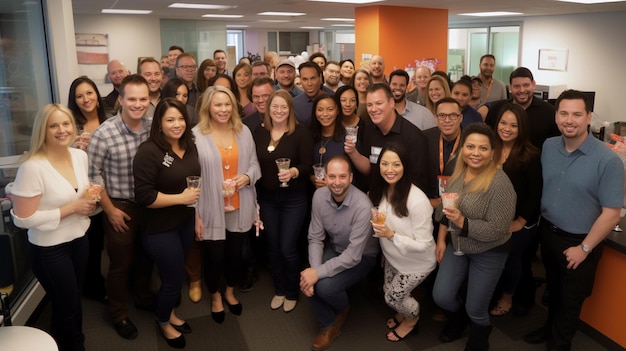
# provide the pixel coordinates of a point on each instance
(111, 150)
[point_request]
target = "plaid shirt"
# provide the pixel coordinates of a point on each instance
(111, 151)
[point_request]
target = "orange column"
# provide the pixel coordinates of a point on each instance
(401, 35)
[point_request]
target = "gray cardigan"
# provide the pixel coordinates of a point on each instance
(210, 206)
(489, 214)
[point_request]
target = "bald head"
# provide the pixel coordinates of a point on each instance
(377, 68)
(117, 71)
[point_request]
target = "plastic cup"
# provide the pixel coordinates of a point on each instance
(318, 170)
(351, 133)
(378, 215)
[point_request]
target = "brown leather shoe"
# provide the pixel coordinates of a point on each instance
(341, 317)
(325, 338)
(195, 291)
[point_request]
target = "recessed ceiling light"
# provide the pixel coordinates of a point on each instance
(126, 12)
(342, 25)
(350, 1)
(491, 14)
(281, 13)
(182, 5)
(590, 1)
(213, 15)
(338, 19)
(311, 27)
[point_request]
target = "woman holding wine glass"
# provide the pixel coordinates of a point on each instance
(481, 219)
(327, 131)
(405, 237)
(86, 104)
(521, 161)
(227, 206)
(160, 168)
(283, 209)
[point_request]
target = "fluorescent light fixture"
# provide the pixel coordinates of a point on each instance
(338, 19)
(342, 25)
(213, 15)
(356, 2)
(281, 13)
(590, 1)
(237, 26)
(311, 27)
(491, 14)
(126, 12)
(275, 21)
(182, 5)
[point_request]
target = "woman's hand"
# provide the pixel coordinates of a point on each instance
(242, 180)
(190, 196)
(382, 231)
(455, 216)
(84, 206)
(349, 147)
(517, 225)
(440, 249)
(319, 183)
(286, 175)
(198, 228)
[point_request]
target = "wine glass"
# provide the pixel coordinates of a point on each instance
(193, 182)
(229, 190)
(283, 165)
(449, 200)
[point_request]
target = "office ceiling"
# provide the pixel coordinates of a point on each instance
(317, 10)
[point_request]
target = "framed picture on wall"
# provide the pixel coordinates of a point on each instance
(553, 59)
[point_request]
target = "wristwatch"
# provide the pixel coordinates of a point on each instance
(586, 249)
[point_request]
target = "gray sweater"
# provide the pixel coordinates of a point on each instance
(489, 214)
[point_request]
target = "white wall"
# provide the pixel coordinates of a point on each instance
(255, 41)
(130, 37)
(596, 55)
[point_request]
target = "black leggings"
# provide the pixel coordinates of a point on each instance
(223, 257)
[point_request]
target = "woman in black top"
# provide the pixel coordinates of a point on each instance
(283, 209)
(327, 131)
(160, 169)
(521, 161)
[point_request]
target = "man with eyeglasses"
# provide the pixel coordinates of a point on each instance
(259, 92)
(419, 115)
(186, 68)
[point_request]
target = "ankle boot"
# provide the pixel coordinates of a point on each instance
(478, 339)
(455, 326)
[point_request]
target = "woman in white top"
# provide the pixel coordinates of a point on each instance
(49, 199)
(405, 238)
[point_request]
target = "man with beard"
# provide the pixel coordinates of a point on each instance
(342, 249)
(286, 77)
(150, 69)
(377, 69)
(492, 89)
(414, 113)
(332, 75)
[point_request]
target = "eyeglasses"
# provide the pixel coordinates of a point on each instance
(260, 97)
(188, 68)
(451, 116)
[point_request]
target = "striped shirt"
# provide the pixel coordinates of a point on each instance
(111, 151)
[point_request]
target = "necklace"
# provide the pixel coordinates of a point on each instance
(273, 142)
(322, 149)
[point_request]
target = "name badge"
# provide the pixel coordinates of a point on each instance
(442, 181)
(374, 153)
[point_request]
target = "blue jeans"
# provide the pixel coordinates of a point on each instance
(482, 272)
(168, 250)
(283, 214)
(330, 295)
(60, 269)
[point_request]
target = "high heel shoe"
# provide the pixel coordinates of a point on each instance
(235, 309)
(184, 328)
(177, 343)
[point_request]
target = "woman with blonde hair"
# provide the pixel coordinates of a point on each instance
(50, 200)
(207, 70)
(437, 89)
(283, 206)
(477, 246)
(227, 206)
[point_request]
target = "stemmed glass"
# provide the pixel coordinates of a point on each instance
(229, 190)
(193, 182)
(283, 165)
(449, 200)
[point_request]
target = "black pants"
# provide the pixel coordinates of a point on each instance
(568, 287)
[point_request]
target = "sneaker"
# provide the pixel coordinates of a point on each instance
(126, 329)
(289, 305)
(277, 301)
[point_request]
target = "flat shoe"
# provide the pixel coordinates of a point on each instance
(195, 291)
(289, 305)
(277, 302)
(499, 311)
(400, 338)
(394, 321)
(177, 343)
(184, 328)
(235, 309)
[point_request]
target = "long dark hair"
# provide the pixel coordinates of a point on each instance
(71, 101)
(156, 135)
(379, 187)
(316, 126)
(342, 89)
(169, 90)
(233, 86)
(522, 150)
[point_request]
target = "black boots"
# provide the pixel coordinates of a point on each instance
(478, 339)
(455, 326)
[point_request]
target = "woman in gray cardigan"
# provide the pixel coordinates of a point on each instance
(226, 209)
(477, 247)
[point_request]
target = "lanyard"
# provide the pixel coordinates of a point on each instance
(456, 144)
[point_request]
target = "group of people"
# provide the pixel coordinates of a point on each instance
(251, 140)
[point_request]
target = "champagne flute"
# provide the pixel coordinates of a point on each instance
(229, 190)
(283, 165)
(449, 200)
(193, 182)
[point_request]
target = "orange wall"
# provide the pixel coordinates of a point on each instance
(401, 35)
(605, 309)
